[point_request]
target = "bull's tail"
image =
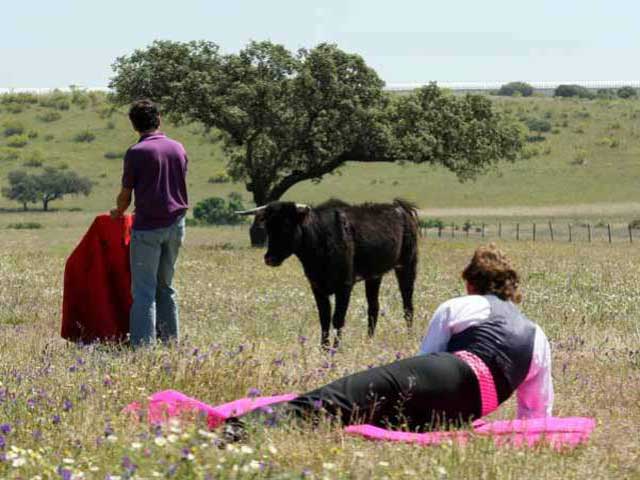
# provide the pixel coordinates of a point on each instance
(411, 210)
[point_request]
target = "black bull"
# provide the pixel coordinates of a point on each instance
(338, 245)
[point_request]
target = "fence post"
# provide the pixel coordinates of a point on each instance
(551, 230)
(630, 234)
(534, 232)
(499, 229)
(452, 231)
(589, 231)
(609, 230)
(483, 230)
(569, 233)
(467, 232)
(439, 231)
(517, 231)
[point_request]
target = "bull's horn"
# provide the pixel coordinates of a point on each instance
(252, 211)
(302, 206)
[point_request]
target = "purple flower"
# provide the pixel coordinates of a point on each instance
(55, 419)
(64, 473)
(67, 405)
(107, 382)
(5, 428)
(302, 339)
(108, 430)
(80, 361)
(37, 435)
(278, 362)
(317, 404)
(398, 355)
(253, 392)
(73, 368)
(128, 465)
(171, 471)
(185, 453)
(2, 442)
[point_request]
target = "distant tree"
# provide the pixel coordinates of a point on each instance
(606, 93)
(573, 91)
(512, 88)
(285, 118)
(627, 92)
(52, 184)
(218, 211)
(539, 125)
(23, 188)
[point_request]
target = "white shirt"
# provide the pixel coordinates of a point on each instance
(535, 394)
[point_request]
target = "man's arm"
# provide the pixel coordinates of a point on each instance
(122, 202)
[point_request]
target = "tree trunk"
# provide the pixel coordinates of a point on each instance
(45, 204)
(24, 206)
(258, 232)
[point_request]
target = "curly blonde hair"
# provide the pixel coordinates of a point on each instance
(491, 272)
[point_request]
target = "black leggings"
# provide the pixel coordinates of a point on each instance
(418, 393)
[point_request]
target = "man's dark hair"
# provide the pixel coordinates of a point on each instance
(144, 115)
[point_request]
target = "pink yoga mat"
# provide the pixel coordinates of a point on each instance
(559, 432)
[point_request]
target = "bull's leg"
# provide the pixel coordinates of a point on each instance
(343, 296)
(324, 311)
(406, 276)
(372, 287)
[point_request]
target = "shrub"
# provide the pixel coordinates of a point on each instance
(86, 137)
(23, 98)
(512, 88)
(9, 154)
(218, 211)
(627, 92)
(32, 134)
(18, 141)
(111, 125)
(430, 223)
(48, 137)
(49, 117)
(635, 224)
(219, 177)
(113, 155)
(580, 157)
(13, 128)
(79, 97)
(539, 125)
(55, 100)
(610, 142)
(15, 108)
(25, 226)
(34, 159)
(573, 91)
(606, 93)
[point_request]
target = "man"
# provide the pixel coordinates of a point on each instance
(154, 171)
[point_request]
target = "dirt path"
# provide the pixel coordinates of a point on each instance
(593, 209)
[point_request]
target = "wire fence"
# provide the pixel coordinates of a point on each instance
(537, 232)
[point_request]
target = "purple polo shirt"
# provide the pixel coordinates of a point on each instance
(156, 169)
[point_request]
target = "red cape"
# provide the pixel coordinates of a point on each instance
(97, 283)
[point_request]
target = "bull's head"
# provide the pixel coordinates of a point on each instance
(283, 222)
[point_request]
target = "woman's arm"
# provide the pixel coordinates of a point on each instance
(535, 394)
(438, 333)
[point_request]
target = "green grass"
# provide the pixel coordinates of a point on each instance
(609, 147)
(241, 325)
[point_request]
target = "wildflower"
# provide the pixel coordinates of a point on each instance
(112, 439)
(65, 473)
(253, 392)
(383, 464)
(171, 438)
(329, 466)
(160, 441)
(68, 461)
(18, 462)
(5, 428)
(302, 339)
(55, 419)
(246, 449)
(136, 446)
(67, 405)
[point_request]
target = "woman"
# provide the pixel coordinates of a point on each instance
(479, 349)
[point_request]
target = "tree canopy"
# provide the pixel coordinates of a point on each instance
(51, 184)
(287, 117)
(516, 88)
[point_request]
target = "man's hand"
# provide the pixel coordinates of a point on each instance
(115, 213)
(122, 203)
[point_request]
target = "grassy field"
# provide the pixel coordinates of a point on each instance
(591, 157)
(248, 326)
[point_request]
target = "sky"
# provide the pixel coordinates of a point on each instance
(56, 43)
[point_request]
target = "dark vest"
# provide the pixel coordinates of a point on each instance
(504, 342)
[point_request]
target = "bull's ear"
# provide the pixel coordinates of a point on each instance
(303, 212)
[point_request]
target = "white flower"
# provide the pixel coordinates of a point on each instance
(383, 464)
(68, 461)
(246, 449)
(272, 450)
(18, 462)
(329, 466)
(254, 464)
(136, 445)
(160, 441)
(207, 434)
(171, 438)
(112, 439)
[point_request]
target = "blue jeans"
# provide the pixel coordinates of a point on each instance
(154, 313)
